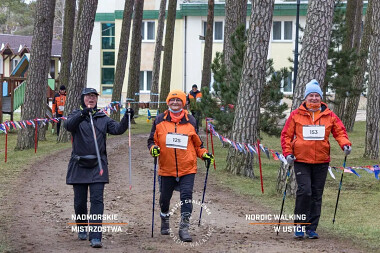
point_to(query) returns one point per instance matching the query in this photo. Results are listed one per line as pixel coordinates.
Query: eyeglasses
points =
(91, 95)
(175, 100)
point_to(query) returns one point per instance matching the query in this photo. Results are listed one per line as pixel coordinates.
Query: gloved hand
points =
(155, 151)
(290, 159)
(347, 149)
(129, 111)
(86, 111)
(209, 156)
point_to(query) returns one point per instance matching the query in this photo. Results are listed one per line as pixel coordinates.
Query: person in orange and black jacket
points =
(193, 99)
(59, 105)
(305, 144)
(174, 139)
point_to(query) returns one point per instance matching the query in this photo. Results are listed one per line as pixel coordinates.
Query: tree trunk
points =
(351, 11)
(168, 53)
(35, 93)
(236, 14)
(207, 54)
(157, 56)
(291, 189)
(135, 61)
(373, 102)
(67, 42)
(78, 76)
(358, 80)
(315, 46)
(122, 56)
(247, 116)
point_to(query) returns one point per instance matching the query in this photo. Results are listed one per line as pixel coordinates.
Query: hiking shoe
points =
(96, 243)
(164, 224)
(184, 228)
(299, 234)
(82, 235)
(311, 234)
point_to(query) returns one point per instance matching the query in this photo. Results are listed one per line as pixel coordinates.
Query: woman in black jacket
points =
(83, 170)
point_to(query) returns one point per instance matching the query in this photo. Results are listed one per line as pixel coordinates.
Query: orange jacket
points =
(312, 151)
(58, 103)
(173, 161)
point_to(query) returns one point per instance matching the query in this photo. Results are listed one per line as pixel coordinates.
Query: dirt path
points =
(37, 212)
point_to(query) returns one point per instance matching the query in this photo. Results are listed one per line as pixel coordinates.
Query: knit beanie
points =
(313, 86)
(177, 94)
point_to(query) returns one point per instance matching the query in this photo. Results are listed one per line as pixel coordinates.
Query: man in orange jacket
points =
(174, 139)
(59, 105)
(305, 144)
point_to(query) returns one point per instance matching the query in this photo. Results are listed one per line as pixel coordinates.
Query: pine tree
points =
(341, 68)
(271, 100)
(220, 104)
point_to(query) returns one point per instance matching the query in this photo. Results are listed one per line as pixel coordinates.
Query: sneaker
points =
(299, 234)
(312, 234)
(96, 243)
(82, 235)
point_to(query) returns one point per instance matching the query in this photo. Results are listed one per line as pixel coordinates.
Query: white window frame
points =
(282, 39)
(145, 36)
(145, 81)
(15, 62)
(1, 65)
(204, 27)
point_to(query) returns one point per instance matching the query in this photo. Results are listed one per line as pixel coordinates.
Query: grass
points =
(357, 216)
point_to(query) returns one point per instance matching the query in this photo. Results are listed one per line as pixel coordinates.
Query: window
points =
(145, 81)
(287, 83)
(108, 36)
(109, 58)
(107, 71)
(14, 63)
(218, 30)
(148, 31)
(108, 75)
(282, 30)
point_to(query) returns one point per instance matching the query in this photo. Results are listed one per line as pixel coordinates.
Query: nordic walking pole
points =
(284, 196)
(96, 144)
(154, 191)
(340, 187)
(130, 148)
(207, 162)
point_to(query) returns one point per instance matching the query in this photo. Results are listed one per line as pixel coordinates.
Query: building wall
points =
(188, 48)
(93, 72)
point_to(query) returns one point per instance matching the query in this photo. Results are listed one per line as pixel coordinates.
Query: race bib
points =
(61, 108)
(174, 140)
(313, 132)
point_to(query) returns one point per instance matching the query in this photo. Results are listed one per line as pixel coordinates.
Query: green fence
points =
(19, 93)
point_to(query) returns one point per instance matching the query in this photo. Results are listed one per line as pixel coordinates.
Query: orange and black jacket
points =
(312, 151)
(59, 100)
(172, 161)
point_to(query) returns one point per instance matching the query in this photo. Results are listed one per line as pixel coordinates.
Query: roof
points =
(18, 44)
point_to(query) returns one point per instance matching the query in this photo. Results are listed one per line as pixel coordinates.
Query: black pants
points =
(186, 184)
(311, 180)
(58, 123)
(96, 200)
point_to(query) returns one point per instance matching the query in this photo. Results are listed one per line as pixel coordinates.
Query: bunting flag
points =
(253, 149)
(149, 116)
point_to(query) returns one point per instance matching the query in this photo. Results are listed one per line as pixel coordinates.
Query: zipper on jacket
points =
(175, 155)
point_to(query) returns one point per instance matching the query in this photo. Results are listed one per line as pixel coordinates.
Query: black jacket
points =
(83, 144)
